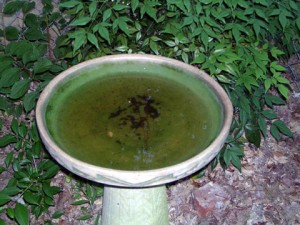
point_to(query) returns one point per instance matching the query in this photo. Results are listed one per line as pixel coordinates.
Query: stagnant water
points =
(133, 121)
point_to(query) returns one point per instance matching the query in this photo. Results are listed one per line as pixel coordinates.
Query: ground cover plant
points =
(239, 43)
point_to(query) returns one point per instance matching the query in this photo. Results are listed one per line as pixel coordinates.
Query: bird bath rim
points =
(143, 178)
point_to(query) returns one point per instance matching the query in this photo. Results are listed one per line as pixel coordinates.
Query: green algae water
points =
(133, 121)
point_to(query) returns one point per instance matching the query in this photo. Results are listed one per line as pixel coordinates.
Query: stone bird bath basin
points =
(134, 123)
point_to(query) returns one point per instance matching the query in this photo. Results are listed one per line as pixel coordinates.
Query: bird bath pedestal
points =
(134, 123)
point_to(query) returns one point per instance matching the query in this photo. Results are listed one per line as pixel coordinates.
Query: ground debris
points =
(266, 192)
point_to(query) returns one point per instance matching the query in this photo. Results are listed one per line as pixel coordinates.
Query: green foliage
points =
(26, 67)
(32, 172)
(21, 214)
(85, 194)
(239, 43)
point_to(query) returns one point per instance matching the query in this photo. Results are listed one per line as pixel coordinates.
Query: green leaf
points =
(294, 6)
(50, 190)
(92, 8)
(282, 80)
(149, 9)
(103, 31)
(276, 52)
(28, 6)
(262, 126)
(57, 214)
(283, 20)
(4, 198)
(49, 201)
(13, 7)
(11, 33)
(11, 213)
(256, 27)
(42, 66)
(247, 81)
(275, 132)
(11, 190)
(298, 22)
(69, 4)
(9, 77)
(199, 59)
(236, 161)
(32, 20)
(170, 43)
(106, 15)
(283, 128)
(79, 41)
(231, 68)
(236, 33)
(269, 114)
(267, 84)
(283, 90)
(233, 154)
(237, 149)
(19, 88)
(227, 157)
(89, 191)
(2, 169)
(277, 67)
(261, 14)
(35, 52)
(51, 172)
(86, 217)
(154, 47)
(262, 2)
(31, 198)
(185, 57)
(93, 39)
(122, 48)
(272, 99)
(34, 34)
(14, 126)
(275, 12)
(47, 164)
(8, 159)
(37, 211)
(22, 130)
(134, 5)
(252, 134)
(81, 21)
(29, 100)
(21, 214)
(2, 222)
(223, 79)
(6, 63)
(187, 21)
(213, 165)
(244, 103)
(80, 202)
(7, 139)
(119, 7)
(122, 24)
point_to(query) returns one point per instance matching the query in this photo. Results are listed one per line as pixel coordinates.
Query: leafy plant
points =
(26, 67)
(86, 193)
(237, 42)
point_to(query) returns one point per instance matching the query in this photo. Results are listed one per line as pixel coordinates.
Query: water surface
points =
(133, 121)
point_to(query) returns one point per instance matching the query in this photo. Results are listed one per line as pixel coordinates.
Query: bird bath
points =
(134, 123)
